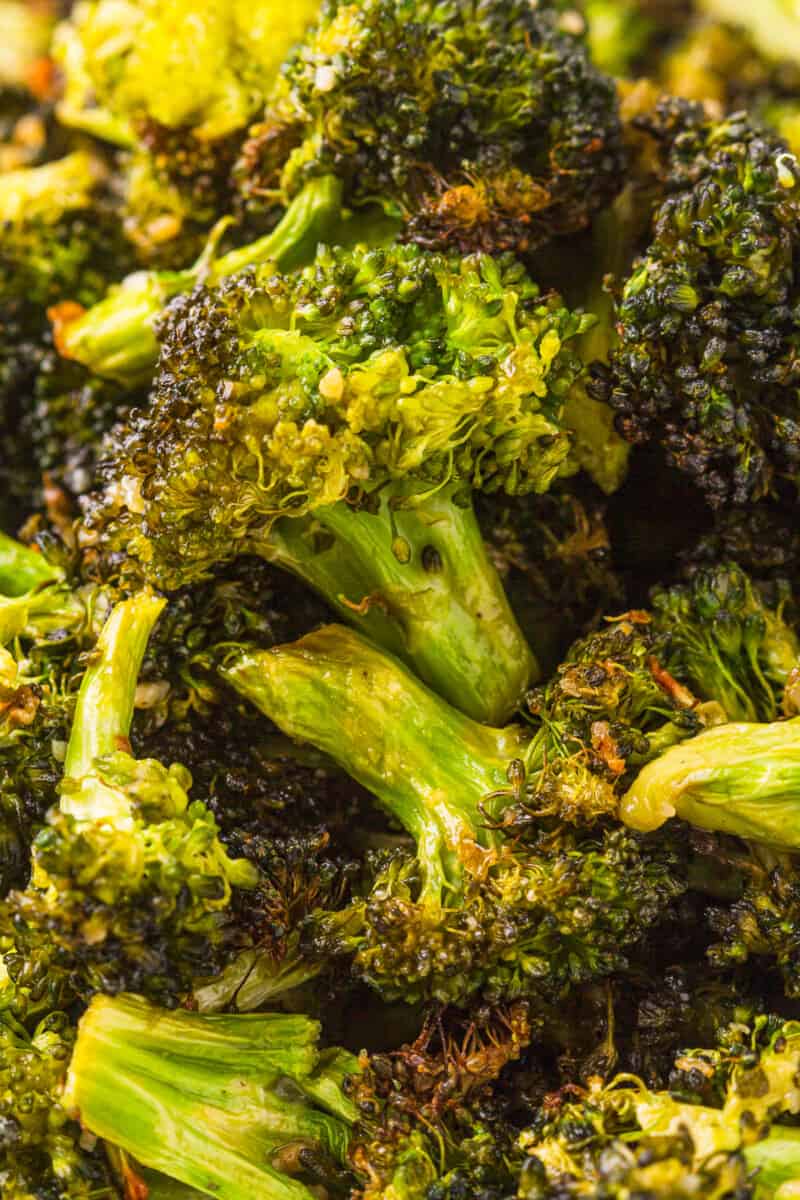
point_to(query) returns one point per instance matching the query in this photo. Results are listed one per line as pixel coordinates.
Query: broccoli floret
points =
(428, 1125)
(335, 423)
(622, 1139)
(707, 361)
(130, 879)
(730, 644)
(258, 1110)
(62, 243)
(761, 923)
(490, 901)
(41, 1152)
(483, 124)
(175, 85)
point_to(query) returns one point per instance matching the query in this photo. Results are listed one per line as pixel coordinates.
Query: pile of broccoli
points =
(399, 600)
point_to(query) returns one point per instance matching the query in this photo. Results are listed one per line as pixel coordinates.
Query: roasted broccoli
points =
(483, 125)
(494, 899)
(175, 86)
(350, 410)
(707, 358)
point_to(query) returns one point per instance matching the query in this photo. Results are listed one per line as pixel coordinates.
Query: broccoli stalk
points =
(736, 778)
(474, 908)
(231, 1105)
(417, 580)
(116, 338)
(104, 710)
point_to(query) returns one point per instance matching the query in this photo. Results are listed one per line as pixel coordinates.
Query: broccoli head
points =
(335, 422)
(729, 643)
(42, 1153)
(622, 1139)
(130, 879)
(484, 125)
(62, 243)
(520, 884)
(707, 359)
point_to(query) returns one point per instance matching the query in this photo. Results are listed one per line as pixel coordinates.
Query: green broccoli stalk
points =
(231, 1105)
(736, 778)
(337, 422)
(117, 339)
(480, 905)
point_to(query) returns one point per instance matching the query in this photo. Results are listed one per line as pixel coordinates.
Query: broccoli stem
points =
(104, 708)
(116, 338)
(254, 980)
(225, 1104)
(737, 778)
(429, 766)
(416, 578)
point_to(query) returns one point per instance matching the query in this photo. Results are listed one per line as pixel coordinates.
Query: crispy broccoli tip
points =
(730, 643)
(116, 338)
(735, 778)
(239, 1107)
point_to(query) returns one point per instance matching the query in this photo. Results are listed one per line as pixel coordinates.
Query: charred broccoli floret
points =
(622, 1139)
(484, 125)
(335, 422)
(707, 360)
(62, 241)
(730, 644)
(490, 901)
(130, 879)
(41, 1152)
